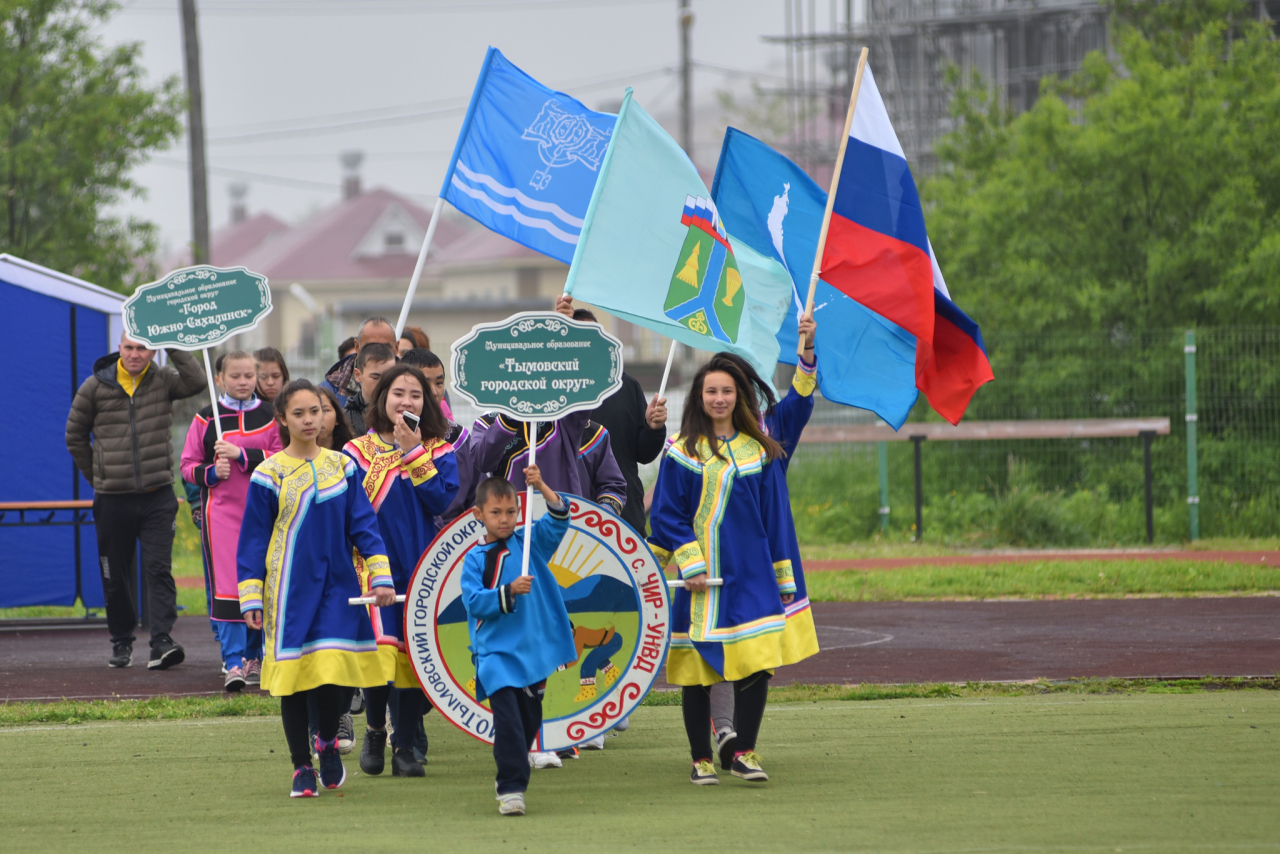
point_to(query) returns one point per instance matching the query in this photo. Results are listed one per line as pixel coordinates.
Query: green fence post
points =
(1193, 492)
(882, 451)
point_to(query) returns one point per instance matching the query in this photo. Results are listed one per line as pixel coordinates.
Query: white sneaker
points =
(623, 724)
(544, 760)
(512, 804)
(596, 743)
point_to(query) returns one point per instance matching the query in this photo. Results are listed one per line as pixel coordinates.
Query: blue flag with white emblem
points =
(527, 158)
(771, 205)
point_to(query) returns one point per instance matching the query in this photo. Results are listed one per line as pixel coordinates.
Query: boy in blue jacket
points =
(520, 631)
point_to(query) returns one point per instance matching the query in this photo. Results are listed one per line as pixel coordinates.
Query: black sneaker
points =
(726, 746)
(747, 766)
(121, 655)
(704, 774)
(403, 763)
(332, 772)
(373, 753)
(304, 783)
(165, 653)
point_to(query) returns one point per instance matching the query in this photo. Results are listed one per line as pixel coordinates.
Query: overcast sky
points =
(279, 74)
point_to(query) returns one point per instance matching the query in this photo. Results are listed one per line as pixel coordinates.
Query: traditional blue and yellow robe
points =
(301, 520)
(407, 491)
(784, 423)
(723, 517)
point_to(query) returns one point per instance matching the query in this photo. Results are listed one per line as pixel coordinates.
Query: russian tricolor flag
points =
(878, 254)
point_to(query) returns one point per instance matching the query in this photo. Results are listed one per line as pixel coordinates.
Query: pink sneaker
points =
(252, 671)
(235, 680)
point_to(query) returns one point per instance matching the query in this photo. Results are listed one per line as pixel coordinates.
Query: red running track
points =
(880, 642)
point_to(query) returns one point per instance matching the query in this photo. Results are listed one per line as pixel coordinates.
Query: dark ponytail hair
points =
(696, 423)
(282, 401)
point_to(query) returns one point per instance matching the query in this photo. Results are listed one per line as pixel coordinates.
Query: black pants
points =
(293, 712)
(313, 708)
(517, 717)
(410, 704)
(749, 697)
(123, 520)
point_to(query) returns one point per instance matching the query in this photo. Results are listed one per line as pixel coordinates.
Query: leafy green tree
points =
(75, 118)
(1140, 195)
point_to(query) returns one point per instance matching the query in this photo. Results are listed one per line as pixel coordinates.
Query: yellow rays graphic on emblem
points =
(574, 561)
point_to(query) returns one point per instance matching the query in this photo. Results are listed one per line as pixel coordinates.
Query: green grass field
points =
(1045, 579)
(1053, 772)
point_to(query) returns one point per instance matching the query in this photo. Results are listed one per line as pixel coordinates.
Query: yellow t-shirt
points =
(127, 382)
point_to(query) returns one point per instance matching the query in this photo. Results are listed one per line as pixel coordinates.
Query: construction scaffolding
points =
(1012, 44)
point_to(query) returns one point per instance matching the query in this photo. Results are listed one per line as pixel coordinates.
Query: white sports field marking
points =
(849, 642)
(197, 722)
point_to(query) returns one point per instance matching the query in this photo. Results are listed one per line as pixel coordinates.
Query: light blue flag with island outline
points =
(654, 251)
(769, 202)
(526, 159)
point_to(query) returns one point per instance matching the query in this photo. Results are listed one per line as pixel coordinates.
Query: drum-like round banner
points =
(617, 601)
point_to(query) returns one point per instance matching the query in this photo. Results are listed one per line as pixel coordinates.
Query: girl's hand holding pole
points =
(697, 584)
(253, 619)
(230, 450)
(222, 467)
(808, 328)
(383, 596)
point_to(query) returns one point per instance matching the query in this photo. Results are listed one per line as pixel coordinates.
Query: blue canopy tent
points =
(52, 329)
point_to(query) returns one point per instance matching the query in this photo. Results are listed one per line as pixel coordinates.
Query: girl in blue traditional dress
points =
(304, 512)
(784, 421)
(720, 511)
(410, 477)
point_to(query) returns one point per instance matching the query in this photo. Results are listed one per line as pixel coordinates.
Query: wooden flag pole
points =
(528, 499)
(417, 269)
(831, 196)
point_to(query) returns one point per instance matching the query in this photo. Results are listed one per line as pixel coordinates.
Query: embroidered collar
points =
(229, 402)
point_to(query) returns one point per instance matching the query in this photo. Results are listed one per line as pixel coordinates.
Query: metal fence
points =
(1054, 491)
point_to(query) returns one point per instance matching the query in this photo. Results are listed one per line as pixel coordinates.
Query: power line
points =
(392, 121)
(297, 183)
(280, 8)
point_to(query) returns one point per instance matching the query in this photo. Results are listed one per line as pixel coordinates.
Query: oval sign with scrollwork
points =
(537, 365)
(197, 307)
(618, 605)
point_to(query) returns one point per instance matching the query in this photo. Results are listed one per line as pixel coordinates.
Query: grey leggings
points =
(722, 706)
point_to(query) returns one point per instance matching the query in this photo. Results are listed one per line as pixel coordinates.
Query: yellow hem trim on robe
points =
(799, 638)
(796, 642)
(396, 667)
(322, 667)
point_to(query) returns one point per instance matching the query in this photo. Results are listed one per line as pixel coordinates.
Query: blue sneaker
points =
(332, 772)
(304, 783)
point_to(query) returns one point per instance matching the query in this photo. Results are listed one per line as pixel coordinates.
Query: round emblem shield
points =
(618, 604)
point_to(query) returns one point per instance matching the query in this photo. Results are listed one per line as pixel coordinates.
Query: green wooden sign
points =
(537, 366)
(197, 307)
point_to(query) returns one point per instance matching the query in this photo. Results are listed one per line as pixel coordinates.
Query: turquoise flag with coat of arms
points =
(654, 252)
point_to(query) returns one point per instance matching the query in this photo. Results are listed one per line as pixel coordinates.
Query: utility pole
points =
(686, 79)
(195, 136)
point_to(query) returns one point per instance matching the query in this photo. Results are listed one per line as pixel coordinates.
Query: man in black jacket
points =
(637, 430)
(118, 433)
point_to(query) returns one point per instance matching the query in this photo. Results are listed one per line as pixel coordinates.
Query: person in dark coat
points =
(119, 435)
(637, 430)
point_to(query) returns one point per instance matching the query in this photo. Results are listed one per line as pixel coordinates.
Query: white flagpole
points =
(528, 498)
(831, 197)
(213, 393)
(671, 356)
(417, 270)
